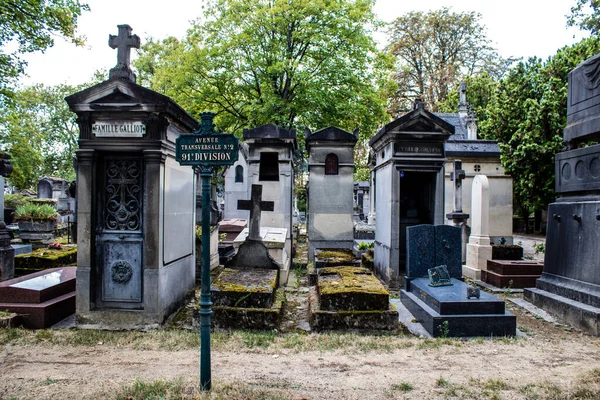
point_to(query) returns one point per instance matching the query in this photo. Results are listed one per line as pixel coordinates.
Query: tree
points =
(31, 26)
(294, 63)
(39, 132)
(433, 51)
(527, 115)
(586, 15)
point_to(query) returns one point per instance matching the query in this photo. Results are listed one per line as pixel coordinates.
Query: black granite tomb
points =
(570, 283)
(449, 310)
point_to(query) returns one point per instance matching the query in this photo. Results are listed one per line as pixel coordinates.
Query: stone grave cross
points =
(457, 176)
(123, 42)
(255, 205)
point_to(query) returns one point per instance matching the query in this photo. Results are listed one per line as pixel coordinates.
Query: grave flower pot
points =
(36, 222)
(37, 226)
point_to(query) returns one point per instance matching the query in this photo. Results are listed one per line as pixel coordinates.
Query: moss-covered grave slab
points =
(254, 318)
(249, 287)
(334, 258)
(350, 288)
(44, 258)
(324, 320)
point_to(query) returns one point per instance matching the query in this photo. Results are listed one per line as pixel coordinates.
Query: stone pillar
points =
(7, 253)
(479, 249)
(1, 199)
(371, 216)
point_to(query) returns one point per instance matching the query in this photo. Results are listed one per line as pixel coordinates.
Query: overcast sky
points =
(518, 28)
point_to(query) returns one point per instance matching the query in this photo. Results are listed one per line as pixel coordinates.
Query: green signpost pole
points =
(205, 301)
(204, 149)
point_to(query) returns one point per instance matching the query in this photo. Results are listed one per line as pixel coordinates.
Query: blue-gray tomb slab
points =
(448, 249)
(446, 310)
(428, 246)
(420, 250)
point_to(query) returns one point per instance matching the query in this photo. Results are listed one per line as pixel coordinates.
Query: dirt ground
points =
(550, 355)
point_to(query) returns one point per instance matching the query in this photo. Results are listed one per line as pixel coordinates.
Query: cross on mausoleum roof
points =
(255, 205)
(123, 42)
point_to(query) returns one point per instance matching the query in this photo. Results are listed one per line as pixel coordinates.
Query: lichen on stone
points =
(335, 256)
(349, 279)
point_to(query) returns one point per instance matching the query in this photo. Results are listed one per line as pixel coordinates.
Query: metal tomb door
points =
(119, 237)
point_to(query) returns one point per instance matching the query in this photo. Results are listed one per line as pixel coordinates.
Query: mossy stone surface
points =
(249, 287)
(350, 288)
(253, 318)
(323, 320)
(45, 258)
(334, 257)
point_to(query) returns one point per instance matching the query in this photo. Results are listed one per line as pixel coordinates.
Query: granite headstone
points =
(429, 246)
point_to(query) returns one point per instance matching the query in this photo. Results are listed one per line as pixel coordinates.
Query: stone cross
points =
(457, 176)
(123, 42)
(462, 93)
(255, 205)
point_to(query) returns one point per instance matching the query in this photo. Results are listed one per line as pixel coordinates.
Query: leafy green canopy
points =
(586, 15)
(40, 133)
(433, 51)
(294, 63)
(30, 25)
(527, 115)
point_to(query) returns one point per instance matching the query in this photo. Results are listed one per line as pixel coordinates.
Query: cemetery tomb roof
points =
(419, 122)
(461, 148)
(269, 131)
(331, 134)
(460, 127)
(123, 95)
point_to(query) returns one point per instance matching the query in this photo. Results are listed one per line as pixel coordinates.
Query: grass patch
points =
(179, 389)
(439, 342)
(234, 340)
(402, 387)
(441, 382)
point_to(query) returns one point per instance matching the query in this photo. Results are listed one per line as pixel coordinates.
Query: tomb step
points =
(577, 314)
(459, 325)
(253, 318)
(43, 315)
(245, 288)
(452, 300)
(511, 267)
(38, 287)
(508, 281)
(324, 320)
(350, 289)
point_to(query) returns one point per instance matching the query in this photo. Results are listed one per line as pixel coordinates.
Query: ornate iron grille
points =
(123, 195)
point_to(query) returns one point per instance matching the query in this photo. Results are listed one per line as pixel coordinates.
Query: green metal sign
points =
(205, 147)
(206, 150)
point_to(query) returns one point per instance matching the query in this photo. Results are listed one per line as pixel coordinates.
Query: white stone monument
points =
(479, 249)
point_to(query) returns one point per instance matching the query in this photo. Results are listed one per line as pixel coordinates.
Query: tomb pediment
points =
(269, 131)
(332, 134)
(417, 124)
(107, 102)
(121, 95)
